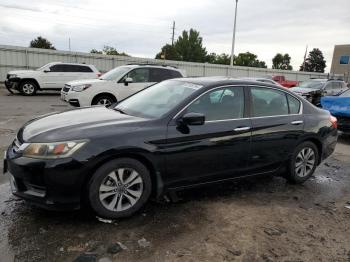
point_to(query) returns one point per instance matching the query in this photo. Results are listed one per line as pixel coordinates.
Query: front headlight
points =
(80, 88)
(12, 76)
(51, 150)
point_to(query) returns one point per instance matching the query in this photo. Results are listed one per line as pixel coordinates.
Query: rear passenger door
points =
(277, 124)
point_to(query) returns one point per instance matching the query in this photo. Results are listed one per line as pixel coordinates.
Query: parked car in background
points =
(284, 82)
(339, 106)
(314, 89)
(116, 84)
(173, 135)
(262, 79)
(51, 76)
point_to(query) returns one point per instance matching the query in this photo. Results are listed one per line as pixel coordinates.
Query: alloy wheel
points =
(104, 102)
(305, 162)
(28, 88)
(121, 189)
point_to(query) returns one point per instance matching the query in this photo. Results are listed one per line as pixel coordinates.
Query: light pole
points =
(234, 35)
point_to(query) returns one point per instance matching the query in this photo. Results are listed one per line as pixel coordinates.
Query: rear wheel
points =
(119, 188)
(303, 163)
(28, 88)
(103, 100)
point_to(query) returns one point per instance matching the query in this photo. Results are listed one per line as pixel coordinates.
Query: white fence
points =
(14, 58)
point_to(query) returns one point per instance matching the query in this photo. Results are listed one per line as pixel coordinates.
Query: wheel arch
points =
(29, 79)
(102, 94)
(157, 182)
(318, 144)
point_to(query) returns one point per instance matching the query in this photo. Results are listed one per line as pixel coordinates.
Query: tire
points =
(109, 189)
(303, 163)
(28, 88)
(105, 100)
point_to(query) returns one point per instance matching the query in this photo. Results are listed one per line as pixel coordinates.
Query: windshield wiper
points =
(119, 110)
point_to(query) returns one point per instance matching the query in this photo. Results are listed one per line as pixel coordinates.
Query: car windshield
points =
(346, 93)
(312, 84)
(157, 100)
(42, 68)
(116, 73)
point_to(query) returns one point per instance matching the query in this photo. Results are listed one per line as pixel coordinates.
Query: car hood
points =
(77, 124)
(87, 81)
(21, 72)
(301, 90)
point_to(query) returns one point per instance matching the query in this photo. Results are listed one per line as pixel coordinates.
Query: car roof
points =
(209, 82)
(69, 63)
(153, 66)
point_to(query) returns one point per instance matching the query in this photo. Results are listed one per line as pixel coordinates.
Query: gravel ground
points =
(264, 219)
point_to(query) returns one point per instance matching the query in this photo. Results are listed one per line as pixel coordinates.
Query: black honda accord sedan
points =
(174, 135)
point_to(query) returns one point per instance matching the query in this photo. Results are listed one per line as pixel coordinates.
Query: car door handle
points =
(299, 122)
(239, 129)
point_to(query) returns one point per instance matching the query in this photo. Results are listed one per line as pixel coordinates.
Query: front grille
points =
(66, 88)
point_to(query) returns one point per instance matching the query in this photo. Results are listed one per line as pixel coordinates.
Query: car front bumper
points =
(55, 184)
(12, 83)
(73, 98)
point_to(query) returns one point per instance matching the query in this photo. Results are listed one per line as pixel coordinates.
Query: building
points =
(341, 61)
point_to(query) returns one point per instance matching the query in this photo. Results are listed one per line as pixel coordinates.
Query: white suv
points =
(51, 76)
(116, 84)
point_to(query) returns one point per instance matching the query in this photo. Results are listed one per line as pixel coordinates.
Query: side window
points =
(159, 75)
(329, 86)
(175, 74)
(58, 68)
(220, 104)
(80, 69)
(294, 105)
(268, 102)
(139, 75)
(336, 85)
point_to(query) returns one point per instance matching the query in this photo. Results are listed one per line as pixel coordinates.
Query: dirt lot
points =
(263, 219)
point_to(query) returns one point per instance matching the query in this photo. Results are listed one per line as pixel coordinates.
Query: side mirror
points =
(128, 80)
(46, 70)
(193, 119)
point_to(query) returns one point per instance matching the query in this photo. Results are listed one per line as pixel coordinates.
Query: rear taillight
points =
(99, 74)
(334, 121)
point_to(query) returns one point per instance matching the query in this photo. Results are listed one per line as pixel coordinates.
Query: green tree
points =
(95, 51)
(249, 59)
(41, 42)
(108, 50)
(168, 52)
(222, 59)
(282, 62)
(314, 62)
(190, 48)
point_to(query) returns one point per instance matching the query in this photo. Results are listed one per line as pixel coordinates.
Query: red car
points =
(286, 83)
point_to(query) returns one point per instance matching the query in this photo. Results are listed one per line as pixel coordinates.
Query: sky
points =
(141, 28)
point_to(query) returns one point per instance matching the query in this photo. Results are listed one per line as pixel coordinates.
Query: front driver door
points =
(217, 150)
(140, 80)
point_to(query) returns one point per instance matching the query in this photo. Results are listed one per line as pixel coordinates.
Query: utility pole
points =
(234, 35)
(305, 58)
(173, 34)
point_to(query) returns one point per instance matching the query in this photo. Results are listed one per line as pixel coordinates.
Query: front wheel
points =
(28, 88)
(303, 163)
(119, 188)
(103, 100)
